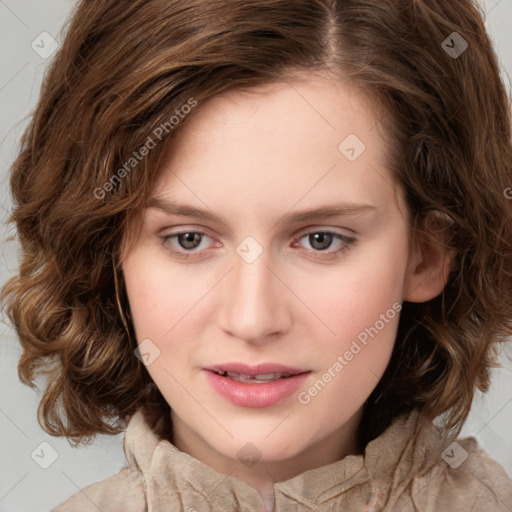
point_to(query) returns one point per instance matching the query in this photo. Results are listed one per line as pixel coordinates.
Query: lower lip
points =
(255, 395)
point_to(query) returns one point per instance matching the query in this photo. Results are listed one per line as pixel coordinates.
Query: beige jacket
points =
(403, 470)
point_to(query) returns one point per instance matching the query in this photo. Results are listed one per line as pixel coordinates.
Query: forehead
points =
(279, 144)
(307, 108)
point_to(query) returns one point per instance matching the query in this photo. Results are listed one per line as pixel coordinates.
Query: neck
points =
(265, 473)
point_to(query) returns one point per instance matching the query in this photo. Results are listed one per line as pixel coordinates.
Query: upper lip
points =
(260, 369)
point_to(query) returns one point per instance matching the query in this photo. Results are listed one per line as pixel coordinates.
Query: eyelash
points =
(347, 245)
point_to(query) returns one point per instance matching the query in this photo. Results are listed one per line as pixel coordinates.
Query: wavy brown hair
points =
(127, 66)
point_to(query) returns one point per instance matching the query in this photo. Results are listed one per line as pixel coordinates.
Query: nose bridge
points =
(251, 301)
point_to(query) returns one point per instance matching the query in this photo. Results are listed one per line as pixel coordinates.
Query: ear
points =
(430, 260)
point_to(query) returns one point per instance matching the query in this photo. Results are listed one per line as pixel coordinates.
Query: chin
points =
(260, 449)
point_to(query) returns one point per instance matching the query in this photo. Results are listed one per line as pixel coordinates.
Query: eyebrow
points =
(323, 212)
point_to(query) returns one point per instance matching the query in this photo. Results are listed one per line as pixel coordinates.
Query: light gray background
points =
(24, 485)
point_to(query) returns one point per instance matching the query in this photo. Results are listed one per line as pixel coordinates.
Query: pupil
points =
(321, 238)
(189, 240)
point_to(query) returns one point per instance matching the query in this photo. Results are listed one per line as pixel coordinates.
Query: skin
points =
(252, 158)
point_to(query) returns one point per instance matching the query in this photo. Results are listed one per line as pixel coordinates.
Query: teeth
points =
(269, 377)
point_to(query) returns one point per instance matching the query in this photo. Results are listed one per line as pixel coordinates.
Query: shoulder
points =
(122, 491)
(415, 468)
(466, 479)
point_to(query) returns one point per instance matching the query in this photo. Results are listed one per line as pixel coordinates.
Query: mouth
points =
(258, 374)
(255, 386)
(255, 379)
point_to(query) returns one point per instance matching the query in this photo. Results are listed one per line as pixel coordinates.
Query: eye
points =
(187, 241)
(185, 244)
(321, 240)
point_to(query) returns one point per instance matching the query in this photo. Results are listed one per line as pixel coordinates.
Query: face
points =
(229, 268)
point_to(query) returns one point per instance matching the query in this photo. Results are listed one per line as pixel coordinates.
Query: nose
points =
(254, 302)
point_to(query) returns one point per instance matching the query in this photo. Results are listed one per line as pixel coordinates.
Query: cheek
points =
(362, 313)
(161, 300)
(156, 294)
(360, 304)
(364, 287)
